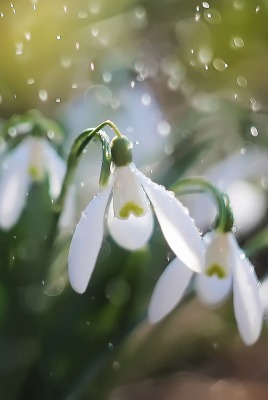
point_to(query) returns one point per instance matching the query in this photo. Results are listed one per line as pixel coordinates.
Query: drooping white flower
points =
(130, 222)
(225, 267)
(29, 161)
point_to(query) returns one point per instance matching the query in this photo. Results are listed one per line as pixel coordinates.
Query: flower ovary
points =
(121, 149)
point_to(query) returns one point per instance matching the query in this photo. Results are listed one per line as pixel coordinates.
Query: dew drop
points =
(241, 81)
(82, 184)
(254, 132)
(94, 7)
(163, 128)
(110, 346)
(205, 4)
(84, 214)
(132, 84)
(116, 366)
(82, 14)
(219, 64)
(50, 134)
(92, 67)
(19, 48)
(146, 99)
(43, 96)
(205, 55)
(212, 16)
(58, 37)
(55, 287)
(238, 42)
(107, 77)
(66, 62)
(30, 81)
(27, 35)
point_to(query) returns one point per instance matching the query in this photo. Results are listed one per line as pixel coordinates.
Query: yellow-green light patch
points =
(131, 208)
(35, 173)
(216, 269)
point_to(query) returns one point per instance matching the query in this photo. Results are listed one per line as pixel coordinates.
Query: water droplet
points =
(74, 86)
(77, 45)
(146, 99)
(242, 256)
(12, 131)
(82, 14)
(212, 16)
(2, 15)
(219, 64)
(110, 346)
(116, 366)
(92, 67)
(55, 287)
(30, 81)
(84, 214)
(58, 100)
(132, 84)
(19, 48)
(58, 37)
(205, 55)
(43, 96)
(254, 132)
(238, 42)
(82, 184)
(107, 77)
(27, 35)
(205, 4)
(163, 128)
(241, 81)
(66, 62)
(95, 7)
(257, 9)
(65, 9)
(50, 134)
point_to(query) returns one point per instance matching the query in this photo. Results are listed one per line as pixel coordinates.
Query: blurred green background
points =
(186, 81)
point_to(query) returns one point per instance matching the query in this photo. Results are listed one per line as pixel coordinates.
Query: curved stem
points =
(207, 186)
(76, 150)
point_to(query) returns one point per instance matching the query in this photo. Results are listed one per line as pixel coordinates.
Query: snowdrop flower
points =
(226, 267)
(130, 219)
(236, 175)
(28, 162)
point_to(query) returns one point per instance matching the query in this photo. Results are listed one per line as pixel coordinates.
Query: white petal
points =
(178, 228)
(247, 304)
(14, 184)
(132, 233)
(169, 290)
(211, 290)
(128, 193)
(56, 167)
(87, 241)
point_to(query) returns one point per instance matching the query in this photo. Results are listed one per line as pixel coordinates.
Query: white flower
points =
(225, 267)
(29, 161)
(132, 223)
(238, 175)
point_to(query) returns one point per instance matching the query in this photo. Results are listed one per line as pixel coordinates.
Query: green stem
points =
(206, 186)
(72, 162)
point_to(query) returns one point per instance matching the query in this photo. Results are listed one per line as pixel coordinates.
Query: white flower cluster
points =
(125, 204)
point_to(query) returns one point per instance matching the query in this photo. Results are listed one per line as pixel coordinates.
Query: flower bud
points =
(121, 149)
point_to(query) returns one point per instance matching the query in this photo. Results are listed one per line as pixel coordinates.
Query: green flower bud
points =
(121, 149)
